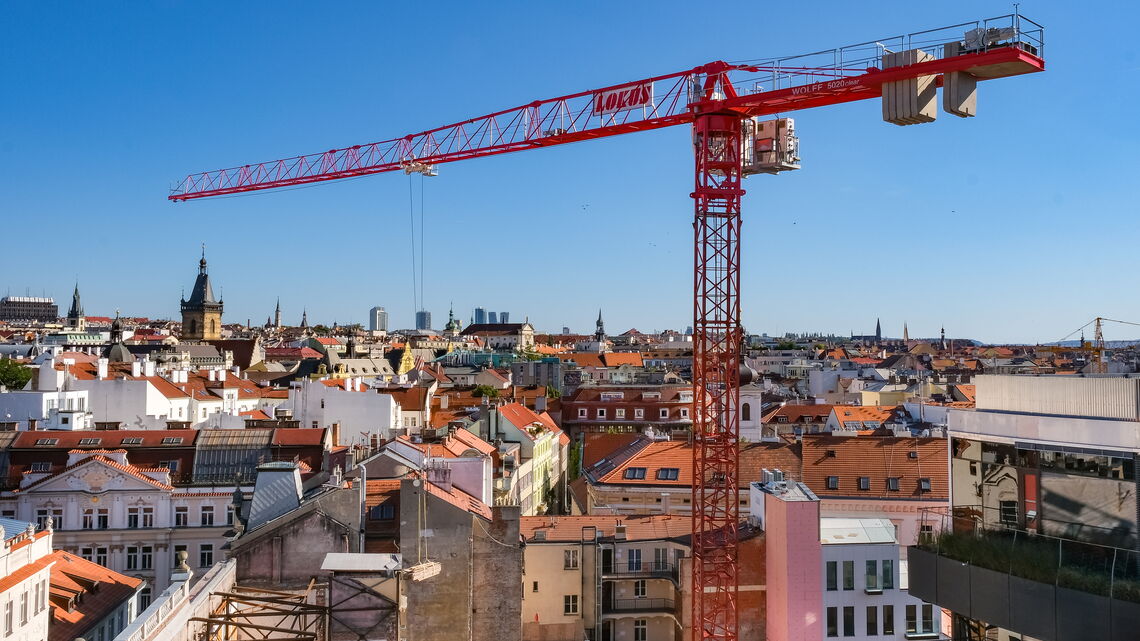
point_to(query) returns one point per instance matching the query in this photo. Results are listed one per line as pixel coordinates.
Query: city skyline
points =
(945, 224)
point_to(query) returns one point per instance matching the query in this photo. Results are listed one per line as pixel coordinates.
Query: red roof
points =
(101, 591)
(637, 528)
(106, 438)
(877, 458)
(129, 469)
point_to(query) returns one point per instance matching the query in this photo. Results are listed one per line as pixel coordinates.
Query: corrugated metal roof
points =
(13, 528)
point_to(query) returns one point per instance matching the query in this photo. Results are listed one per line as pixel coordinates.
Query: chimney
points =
(540, 404)
(443, 402)
(33, 424)
(222, 375)
(213, 375)
(236, 371)
(136, 369)
(148, 367)
(101, 368)
(619, 531)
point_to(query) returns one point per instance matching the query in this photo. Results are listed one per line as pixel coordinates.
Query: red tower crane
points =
(723, 103)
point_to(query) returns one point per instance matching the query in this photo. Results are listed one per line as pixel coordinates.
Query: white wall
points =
(356, 412)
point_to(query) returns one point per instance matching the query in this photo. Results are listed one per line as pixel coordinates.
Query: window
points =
(684, 412)
(927, 618)
(633, 563)
(864, 483)
(832, 576)
(848, 620)
(888, 574)
(833, 622)
(95, 519)
(638, 413)
(170, 465)
(619, 413)
(833, 482)
(148, 517)
(888, 620)
(668, 474)
(601, 412)
(640, 630)
(90, 441)
(639, 588)
(131, 440)
(570, 604)
(848, 575)
(47, 441)
(924, 485)
(8, 618)
(661, 558)
(912, 619)
(24, 608)
(207, 516)
(893, 484)
(172, 440)
(570, 559)
(636, 473)
(56, 515)
(1008, 512)
(534, 587)
(140, 557)
(174, 557)
(384, 512)
(181, 516)
(41, 466)
(663, 413)
(871, 580)
(872, 620)
(133, 514)
(144, 599)
(97, 555)
(205, 555)
(746, 412)
(582, 412)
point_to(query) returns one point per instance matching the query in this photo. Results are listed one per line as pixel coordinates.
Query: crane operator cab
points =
(770, 146)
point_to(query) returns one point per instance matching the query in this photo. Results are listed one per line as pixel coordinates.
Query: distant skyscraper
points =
(492, 317)
(504, 317)
(480, 315)
(378, 319)
(423, 319)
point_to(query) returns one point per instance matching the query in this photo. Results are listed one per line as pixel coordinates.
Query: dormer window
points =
(668, 474)
(172, 440)
(132, 440)
(634, 473)
(90, 441)
(47, 441)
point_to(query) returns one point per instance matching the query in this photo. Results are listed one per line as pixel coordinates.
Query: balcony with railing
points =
(1047, 587)
(638, 606)
(651, 570)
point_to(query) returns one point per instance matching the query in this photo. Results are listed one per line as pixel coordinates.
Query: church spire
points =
(906, 334)
(277, 314)
(75, 317)
(305, 318)
(878, 331)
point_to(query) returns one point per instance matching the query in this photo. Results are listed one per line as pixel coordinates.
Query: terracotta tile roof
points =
(645, 467)
(116, 438)
(298, 353)
(796, 414)
(846, 413)
(600, 445)
(25, 571)
(256, 414)
(877, 458)
(460, 499)
(71, 576)
(967, 392)
(470, 439)
(523, 418)
(657, 527)
(411, 399)
(313, 436)
(132, 470)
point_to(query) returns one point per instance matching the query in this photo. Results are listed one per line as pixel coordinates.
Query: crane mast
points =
(723, 103)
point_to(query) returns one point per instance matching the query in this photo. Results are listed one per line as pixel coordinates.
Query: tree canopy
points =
(14, 375)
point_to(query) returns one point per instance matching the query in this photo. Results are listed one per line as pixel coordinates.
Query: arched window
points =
(213, 327)
(193, 327)
(746, 412)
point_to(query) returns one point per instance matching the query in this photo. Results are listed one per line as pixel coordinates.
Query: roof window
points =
(636, 473)
(172, 440)
(833, 482)
(47, 441)
(90, 441)
(924, 485)
(131, 440)
(893, 484)
(864, 483)
(668, 474)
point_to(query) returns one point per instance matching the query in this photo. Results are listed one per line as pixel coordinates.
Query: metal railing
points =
(1098, 569)
(617, 606)
(831, 64)
(643, 570)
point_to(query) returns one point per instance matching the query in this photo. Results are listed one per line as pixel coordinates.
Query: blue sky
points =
(1019, 224)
